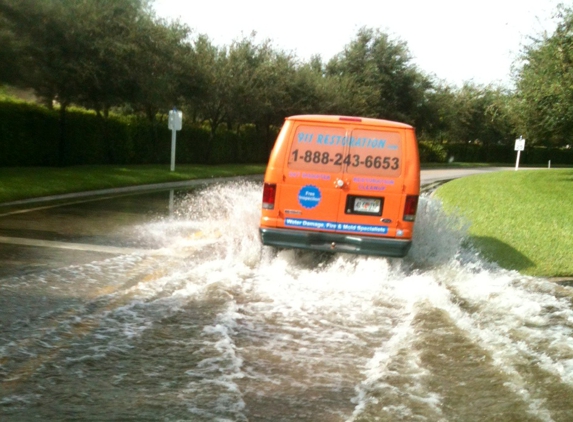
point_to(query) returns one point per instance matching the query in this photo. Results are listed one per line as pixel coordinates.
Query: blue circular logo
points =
(309, 196)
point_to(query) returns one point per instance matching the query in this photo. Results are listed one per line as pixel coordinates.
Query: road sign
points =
(520, 144)
(174, 123)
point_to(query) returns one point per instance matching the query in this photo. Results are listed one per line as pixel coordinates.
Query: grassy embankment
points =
(522, 220)
(30, 182)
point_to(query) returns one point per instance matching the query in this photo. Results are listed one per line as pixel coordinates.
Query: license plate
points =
(368, 205)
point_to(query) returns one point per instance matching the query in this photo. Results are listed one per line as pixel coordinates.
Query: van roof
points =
(338, 119)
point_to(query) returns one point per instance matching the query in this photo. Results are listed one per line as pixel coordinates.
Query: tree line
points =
(117, 56)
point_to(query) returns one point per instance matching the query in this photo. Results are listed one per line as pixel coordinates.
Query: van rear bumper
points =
(335, 242)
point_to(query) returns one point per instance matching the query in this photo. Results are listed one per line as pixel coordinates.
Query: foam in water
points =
(440, 268)
(334, 336)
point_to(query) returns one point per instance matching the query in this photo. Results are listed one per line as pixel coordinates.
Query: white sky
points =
(456, 41)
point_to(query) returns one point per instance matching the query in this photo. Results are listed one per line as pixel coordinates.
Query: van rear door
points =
(373, 182)
(311, 196)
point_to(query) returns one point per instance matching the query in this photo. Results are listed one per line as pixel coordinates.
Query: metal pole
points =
(173, 149)
(517, 161)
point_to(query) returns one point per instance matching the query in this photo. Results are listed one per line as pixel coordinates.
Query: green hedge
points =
(30, 136)
(473, 153)
(432, 152)
(541, 155)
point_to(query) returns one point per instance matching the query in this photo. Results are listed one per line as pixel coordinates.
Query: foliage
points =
(29, 136)
(162, 66)
(431, 152)
(107, 55)
(464, 152)
(481, 116)
(544, 97)
(377, 79)
(89, 52)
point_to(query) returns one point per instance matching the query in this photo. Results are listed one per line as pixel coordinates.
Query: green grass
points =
(30, 182)
(523, 220)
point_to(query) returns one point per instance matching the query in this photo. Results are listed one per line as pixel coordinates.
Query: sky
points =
(454, 41)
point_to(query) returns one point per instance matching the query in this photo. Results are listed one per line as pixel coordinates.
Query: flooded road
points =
(187, 318)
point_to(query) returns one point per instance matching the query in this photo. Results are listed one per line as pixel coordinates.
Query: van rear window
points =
(334, 149)
(376, 153)
(318, 148)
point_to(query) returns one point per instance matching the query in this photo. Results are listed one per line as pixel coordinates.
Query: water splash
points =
(228, 330)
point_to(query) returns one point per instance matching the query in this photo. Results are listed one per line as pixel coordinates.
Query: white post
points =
(173, 136)
(517, 161)
(549, 164)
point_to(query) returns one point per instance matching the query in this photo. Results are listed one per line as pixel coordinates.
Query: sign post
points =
(519, 146)
(175, 123)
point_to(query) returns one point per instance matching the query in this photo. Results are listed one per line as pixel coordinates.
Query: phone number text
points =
(351, 160)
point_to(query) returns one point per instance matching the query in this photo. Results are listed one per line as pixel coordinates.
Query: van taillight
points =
(410, 207)
(269, 193)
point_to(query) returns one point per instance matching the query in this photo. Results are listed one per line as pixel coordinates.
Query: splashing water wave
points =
(225, 329)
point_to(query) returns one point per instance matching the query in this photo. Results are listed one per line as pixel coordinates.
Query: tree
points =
(213, 101)
(72, 50)
(376, 78)
(438, 114)
(544, 81)
(248, 83)
(250, 70)
(162, 65)
(480, 114)
(307, 91)
(11, 60)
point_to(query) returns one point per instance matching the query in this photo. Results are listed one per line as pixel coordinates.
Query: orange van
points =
(342, 184)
